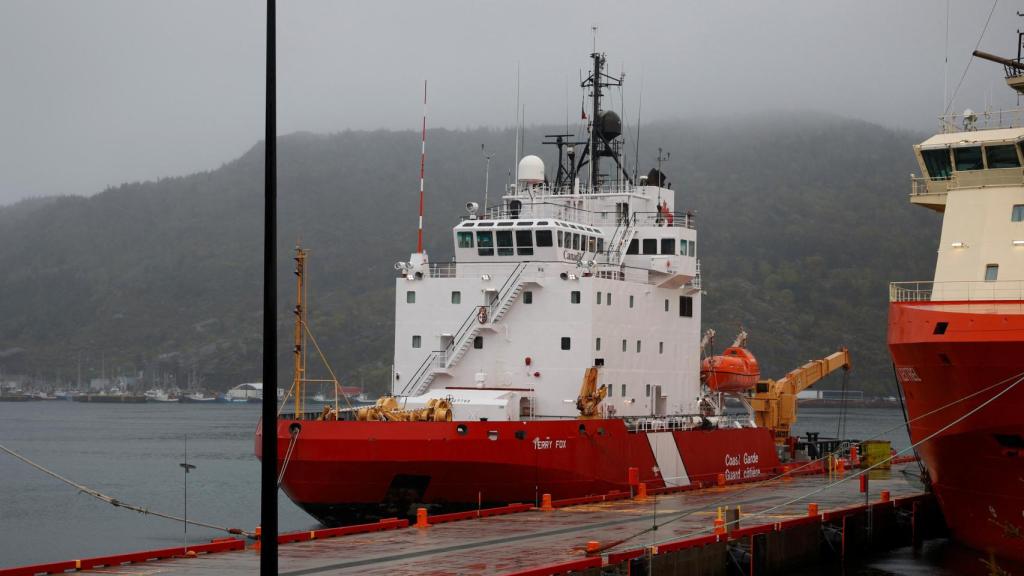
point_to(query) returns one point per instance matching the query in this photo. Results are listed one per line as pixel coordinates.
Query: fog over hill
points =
(802, 222)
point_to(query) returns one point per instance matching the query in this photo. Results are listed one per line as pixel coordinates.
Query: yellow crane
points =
(773, 402)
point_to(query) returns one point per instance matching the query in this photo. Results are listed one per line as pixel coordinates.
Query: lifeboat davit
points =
(735, 370)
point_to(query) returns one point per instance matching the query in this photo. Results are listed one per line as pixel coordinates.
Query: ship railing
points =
(957, 291)
(606, 218)
(987, 120)
(471, 269)
(684, 422)
(918, 185)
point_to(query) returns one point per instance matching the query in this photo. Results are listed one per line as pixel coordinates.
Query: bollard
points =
(885, 495)
(812, 509)
(421, 518)
(721, 479)
(719, 522)
(864, 483)
(641, 491)
(259, 531)
(854, 458)
(841, 466)
(786, 469)
(545, 502)
(593, 546)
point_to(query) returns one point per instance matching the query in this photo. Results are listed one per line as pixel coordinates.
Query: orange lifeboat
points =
(735, 370)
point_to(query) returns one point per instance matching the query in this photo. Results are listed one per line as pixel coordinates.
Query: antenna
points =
(423, 162)
(639, 109)
(516, 159)
(487, 174)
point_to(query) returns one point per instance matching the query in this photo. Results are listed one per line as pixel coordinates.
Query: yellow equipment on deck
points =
(774, 401)
(589, 401)
(386, 410)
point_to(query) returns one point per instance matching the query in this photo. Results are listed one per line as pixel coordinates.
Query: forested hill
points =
(802, 221)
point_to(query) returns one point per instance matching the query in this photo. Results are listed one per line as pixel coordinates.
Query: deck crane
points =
(773, 402)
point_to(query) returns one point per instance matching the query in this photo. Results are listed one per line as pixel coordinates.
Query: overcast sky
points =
(100, 92)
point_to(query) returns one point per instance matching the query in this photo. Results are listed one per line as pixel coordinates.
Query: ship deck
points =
(535, 538)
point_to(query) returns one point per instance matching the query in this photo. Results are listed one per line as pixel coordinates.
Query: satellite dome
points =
(611, 124)
(531, 170)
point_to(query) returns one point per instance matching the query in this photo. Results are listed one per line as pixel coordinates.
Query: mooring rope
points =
(288, 454)
(118, 503)
(732, 496)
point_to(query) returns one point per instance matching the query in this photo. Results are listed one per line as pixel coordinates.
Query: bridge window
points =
(686, 306)
(524, 242)
(575, 241)
(543, 238)
(560, 239)
(465, 239)
(592, 242)
(456, 297)
(1017, 215)
(693, 247)
(1002, 156)
(566, 343)
(937, 163)
(683, 248)
(485, 243)
(574, 297)
(417, 341)
(410, 297)
(634, 247)
(650, 246)
(505, 243)
(991, 272)
(968, 158)
(668, 246)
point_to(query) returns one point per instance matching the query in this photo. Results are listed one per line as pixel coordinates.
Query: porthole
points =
(462, 429)
(492, 435)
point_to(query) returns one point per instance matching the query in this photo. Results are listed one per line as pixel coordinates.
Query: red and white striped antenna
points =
(423, 161)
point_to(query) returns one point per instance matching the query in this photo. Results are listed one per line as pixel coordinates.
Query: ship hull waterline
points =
(976, 467)
(344, 472)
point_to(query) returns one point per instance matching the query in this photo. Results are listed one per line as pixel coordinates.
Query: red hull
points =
(977, 466)
(340, 471)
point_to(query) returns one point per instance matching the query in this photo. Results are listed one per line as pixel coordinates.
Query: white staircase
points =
(441, 361)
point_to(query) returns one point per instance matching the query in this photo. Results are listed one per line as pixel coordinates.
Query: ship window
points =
(524, 242)
(542, 223)
(597, 344)
(600, 244)
(525, 223)
(608, 300)
(666, 305)
(528, 297)
(543, 238)
(456, 297)
(624, 344)
(637, 346)
(575, 241)
(623, 391)
(599, 297)
(937, 163)
(478, 342)
(1002, 156)
(559, 238)
(1017, 215)
(566, 343)
(485, 224)
(574, 297)
(968, 158)
(504, 238)
(693, 247)
(686, 306)
(410, 297)
(630, 300)
(505, 223)
(682, 248)
(647, 390)
(611, 389)
(661, 347)
(417, 341)
(468, 224)
(650, 246)
(465, 239)
(634, 247)
(592, 242)
(991, 272)
(485, 243)
(668, 246)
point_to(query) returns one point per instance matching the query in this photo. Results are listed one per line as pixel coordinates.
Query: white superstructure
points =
(555, 279)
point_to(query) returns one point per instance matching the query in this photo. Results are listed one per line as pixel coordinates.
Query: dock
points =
(782, 524)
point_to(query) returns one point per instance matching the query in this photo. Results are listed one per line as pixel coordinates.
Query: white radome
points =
(531, 170)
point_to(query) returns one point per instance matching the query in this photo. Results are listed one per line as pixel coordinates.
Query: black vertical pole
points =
(268, 467)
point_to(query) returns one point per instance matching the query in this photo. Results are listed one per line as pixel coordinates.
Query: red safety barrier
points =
(688, 543)
(485, 513)
(620, 557)
(609, 497)
(219, 545)
(562, 568)
(307, 535)
(50, 568)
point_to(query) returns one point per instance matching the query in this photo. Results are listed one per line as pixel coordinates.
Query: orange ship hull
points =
(947, 351)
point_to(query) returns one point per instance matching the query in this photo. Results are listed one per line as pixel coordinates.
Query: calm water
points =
(132, 452)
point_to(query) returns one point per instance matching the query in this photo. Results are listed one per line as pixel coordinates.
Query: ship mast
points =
(604, 126)
(298, 352)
